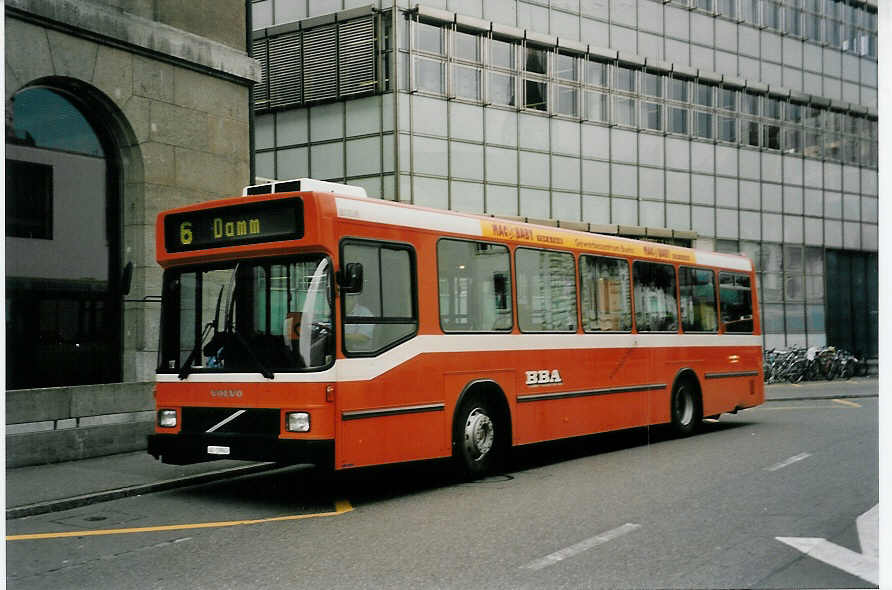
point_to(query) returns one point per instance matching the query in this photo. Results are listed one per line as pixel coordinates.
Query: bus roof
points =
(390, 213)
(377, 211)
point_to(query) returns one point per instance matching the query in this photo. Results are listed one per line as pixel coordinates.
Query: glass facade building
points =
(734, 125)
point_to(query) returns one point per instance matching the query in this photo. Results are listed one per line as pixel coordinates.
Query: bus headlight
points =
(167, 418)
(297, 421)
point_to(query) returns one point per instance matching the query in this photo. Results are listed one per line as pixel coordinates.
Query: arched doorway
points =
(63, 239)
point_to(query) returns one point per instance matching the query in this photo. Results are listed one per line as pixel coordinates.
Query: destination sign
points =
(235, 225)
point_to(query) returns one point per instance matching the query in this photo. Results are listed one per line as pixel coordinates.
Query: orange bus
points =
(313, 324)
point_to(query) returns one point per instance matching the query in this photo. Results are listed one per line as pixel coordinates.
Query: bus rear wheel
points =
(477, 438)
(686, 411)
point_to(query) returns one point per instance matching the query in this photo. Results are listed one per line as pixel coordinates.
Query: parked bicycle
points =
(816, 362)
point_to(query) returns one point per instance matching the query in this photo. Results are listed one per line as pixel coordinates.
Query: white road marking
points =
(580, 547)
(865, 565)
(788, 462)
(868, 525)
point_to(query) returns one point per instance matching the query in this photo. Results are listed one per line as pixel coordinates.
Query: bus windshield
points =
(251, 316)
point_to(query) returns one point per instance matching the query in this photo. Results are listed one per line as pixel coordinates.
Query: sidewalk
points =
(38, 489)
(60, 486)
(837, 389)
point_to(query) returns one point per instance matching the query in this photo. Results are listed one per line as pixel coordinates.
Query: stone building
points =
(735, 125)
(115, 109)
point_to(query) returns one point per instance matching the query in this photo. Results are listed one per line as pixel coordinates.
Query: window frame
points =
(674, 293)
(580, 288)
(413, 270)
(511, 287)
(575, 297)
(752, 288)
(715, 298)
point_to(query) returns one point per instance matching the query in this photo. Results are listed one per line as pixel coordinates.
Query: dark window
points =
(474, 286)
(736, 302)
(606, 296)
(677, 120)
(697, 291)
(536, 95)
(656, 308)
(29, 200)
(536, 60)
(771, 136)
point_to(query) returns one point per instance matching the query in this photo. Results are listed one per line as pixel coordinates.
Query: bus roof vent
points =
(303, 184)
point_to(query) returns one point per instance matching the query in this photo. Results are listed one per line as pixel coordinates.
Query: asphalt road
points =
(623, 510)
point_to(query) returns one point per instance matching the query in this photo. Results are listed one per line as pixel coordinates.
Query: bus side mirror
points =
(350, 278)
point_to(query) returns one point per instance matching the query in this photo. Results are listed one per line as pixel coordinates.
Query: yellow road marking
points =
(341, 507)
(846, 402)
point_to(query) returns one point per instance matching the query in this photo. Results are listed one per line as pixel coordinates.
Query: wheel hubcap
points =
(685, 407)
(479, 434)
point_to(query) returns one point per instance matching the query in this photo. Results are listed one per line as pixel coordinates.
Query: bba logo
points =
(543, 377)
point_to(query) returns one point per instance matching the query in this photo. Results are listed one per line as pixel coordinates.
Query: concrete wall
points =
(68, 423)
(221, 21)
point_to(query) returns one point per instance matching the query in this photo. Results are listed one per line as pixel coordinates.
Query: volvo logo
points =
(226, 393)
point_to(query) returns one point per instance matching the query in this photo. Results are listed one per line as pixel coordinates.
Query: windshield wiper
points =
(229, 329)
(187, 365)
(263, 368)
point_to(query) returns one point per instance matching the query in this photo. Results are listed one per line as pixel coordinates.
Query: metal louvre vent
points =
(285, 84)
(252, 421)
(320, 69)
(259, 51)
(327, 62)
(356, 56)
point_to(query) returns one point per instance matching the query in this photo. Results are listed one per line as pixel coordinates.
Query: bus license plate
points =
(212, 450)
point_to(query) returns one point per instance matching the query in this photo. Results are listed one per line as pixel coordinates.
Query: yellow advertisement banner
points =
(556, 238)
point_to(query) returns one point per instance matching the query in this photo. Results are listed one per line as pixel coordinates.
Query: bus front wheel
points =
(686, 410)
(476, 438)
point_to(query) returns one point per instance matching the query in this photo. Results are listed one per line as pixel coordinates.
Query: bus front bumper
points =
(184, 449)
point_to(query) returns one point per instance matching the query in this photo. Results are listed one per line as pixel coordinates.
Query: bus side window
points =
(736, 302)
(383, 313)
(606, 296)
(656, 309)
(474, 280)
(697, 288)
(546, 290)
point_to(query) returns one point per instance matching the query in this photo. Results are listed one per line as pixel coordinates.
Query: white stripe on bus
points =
(368, 368)
(381, 212)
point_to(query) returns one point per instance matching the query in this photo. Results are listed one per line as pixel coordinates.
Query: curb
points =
(805, 398)
(135, 490)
